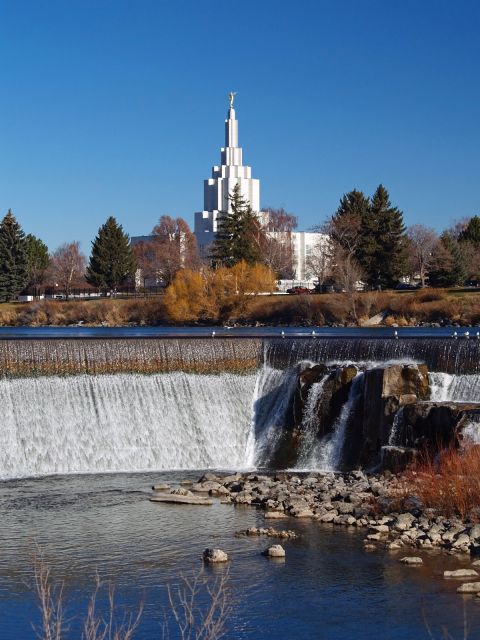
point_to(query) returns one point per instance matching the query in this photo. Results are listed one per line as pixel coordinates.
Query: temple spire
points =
(231, 124)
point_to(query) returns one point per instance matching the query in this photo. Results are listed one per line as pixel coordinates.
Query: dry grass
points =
(450, 482)
(403, 309)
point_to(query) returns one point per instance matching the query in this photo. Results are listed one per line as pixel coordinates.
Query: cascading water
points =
(309, 425)
(455, 388)
(327, 455)
(273, 394)
(87, 424)
(181, 415)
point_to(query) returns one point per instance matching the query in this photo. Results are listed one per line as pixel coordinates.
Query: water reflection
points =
(327, 587)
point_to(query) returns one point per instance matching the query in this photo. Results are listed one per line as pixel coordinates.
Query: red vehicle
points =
(300, 291)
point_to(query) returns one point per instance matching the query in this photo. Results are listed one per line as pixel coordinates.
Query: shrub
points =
(450, 482)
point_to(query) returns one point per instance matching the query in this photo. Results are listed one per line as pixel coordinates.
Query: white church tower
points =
(231, 171)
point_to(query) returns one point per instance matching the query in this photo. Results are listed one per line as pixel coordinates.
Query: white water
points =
(273, 394)
(395, 432)
(457, 388)
(309, 426)
(327, 456)
(91, 424)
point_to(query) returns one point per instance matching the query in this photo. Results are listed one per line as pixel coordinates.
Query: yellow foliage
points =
(212, 294)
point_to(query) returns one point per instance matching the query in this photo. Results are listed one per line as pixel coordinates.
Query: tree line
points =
(364, 241)
(25, 261)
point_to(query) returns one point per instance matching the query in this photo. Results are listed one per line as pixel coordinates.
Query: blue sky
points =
(117, 107)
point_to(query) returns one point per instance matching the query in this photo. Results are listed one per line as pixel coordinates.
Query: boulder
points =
(469, 587)
(460, 573)
(214, 556)
(275, 551)
(397, 459)
(411, 560)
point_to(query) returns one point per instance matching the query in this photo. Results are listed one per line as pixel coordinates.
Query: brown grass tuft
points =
(450, 482)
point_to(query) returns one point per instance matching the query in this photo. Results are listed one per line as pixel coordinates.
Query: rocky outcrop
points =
(435, 424)
(385, 391)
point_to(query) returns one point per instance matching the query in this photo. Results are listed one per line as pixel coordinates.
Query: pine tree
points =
(237, 233)
(38, 259)
(471, 233)
(448, 268)
(13, 258)
(381, 250)
(112, 260)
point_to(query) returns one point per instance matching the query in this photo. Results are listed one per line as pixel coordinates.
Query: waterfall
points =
(395, 432)
(456, 388)
(92, 424)
(273, 396)
(328, 457)
(309, 425)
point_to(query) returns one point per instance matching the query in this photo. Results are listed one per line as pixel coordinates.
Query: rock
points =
(460, 573)
(469, 587)
(275, 551)
(403, 522)
(393, 546)
(161, 487)
(474, 532)
(274, 515)
(186, 482)
(215, 555)
(396, 459)
(181, 491)
(476, 563)
(462, 542)
(302, 513)
(328, 517)
(179, 499)
(411, 560)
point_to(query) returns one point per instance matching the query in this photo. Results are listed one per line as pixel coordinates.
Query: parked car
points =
(300, 291)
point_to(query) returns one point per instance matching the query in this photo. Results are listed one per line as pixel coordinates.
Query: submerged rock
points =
(460, 573)
(215, 555)
(411, 560)
(180, 499)
(275, 551)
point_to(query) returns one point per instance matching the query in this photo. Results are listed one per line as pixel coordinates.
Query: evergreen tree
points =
(448, 269)
(112, 260)
(381, 250)
(237, 234)
(38, 259)
(13, 258)
(471, 233)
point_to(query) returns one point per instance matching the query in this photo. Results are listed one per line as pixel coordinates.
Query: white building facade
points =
(217, 189)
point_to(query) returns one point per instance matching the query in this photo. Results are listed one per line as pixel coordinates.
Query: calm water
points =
(237, 332)
(328, 587)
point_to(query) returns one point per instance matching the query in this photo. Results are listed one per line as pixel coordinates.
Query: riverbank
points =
(436, 307)
(385, 506)
(104, 524)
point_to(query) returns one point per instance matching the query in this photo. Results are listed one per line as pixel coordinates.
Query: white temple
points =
(231, 171)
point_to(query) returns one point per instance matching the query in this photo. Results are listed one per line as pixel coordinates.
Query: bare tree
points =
(50, 600)
(277, 252)
(347, 275)
(420, 250)
(278, 220)
(174, 247)
(67, 266)
(320, 261)
(195, 622)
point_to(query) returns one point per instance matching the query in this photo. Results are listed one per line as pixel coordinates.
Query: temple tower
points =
(230, 172)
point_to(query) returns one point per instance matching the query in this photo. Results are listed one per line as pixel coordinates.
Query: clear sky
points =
(115, 107)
